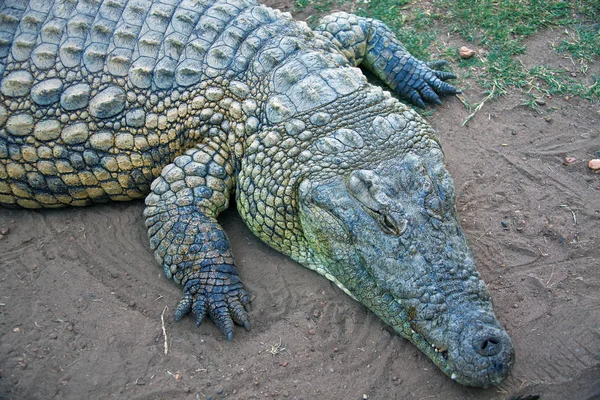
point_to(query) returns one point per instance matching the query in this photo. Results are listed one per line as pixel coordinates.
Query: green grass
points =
(500, 27)
(583, 43)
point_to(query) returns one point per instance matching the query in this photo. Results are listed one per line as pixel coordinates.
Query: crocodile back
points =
(97, 96)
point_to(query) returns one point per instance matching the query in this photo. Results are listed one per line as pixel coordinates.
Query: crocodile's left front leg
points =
(188, 242)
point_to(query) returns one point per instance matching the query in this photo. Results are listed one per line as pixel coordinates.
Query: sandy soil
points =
(81, 297)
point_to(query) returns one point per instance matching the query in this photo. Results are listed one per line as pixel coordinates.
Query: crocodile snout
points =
(488, 344)
(489, 353)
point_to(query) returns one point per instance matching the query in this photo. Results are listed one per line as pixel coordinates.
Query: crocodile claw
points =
(224, 303)
(422, 82)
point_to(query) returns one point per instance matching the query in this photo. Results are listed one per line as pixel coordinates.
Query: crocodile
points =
(190, 102)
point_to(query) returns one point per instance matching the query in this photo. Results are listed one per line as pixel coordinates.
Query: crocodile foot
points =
(218, 293)
(427, 83)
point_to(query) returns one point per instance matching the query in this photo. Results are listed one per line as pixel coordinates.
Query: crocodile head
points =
(388, 236)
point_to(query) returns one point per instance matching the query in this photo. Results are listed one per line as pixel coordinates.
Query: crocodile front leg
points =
(188, 242)
(369, 42)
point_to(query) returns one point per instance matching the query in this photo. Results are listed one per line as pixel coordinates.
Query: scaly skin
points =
(187, 102)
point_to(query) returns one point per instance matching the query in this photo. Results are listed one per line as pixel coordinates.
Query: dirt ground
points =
(81, 296)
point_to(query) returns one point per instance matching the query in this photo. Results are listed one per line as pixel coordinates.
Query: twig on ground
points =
(572, 212)
(276, 348)
(482, 235)
(479, 106)
(162, 320)
(464, 102)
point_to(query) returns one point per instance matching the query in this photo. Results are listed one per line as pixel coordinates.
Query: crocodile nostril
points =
(489, 346)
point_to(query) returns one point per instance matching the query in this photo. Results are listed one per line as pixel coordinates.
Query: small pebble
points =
(548, 118)
(540, 102)
(331, 370)
(17, 330)
(465, 52)
(569, 160)
(504, 224)
(4, 231)
(594, 164)
(365, 397)
(219, 391)
(178, 377)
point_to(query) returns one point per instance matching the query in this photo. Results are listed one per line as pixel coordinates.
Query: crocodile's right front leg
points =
(188, 242)
(369, 42)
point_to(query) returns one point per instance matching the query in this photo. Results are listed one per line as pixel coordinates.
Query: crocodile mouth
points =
(480, 355)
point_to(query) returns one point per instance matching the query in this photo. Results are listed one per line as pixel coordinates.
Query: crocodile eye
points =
(388, 222)
(392, 225)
